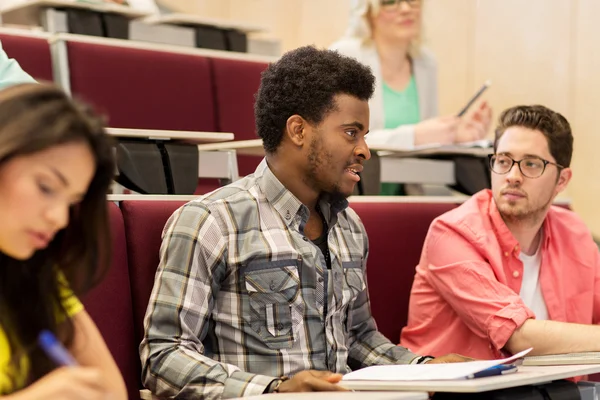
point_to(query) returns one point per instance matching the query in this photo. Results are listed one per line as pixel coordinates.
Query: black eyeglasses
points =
(531, 167)
(395, 4)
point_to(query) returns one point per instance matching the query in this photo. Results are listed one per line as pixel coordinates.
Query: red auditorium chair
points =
(31, 52)
(390, 226)
(145, 89)
(396, 234)
(236, 83)
(109, 305)
(144, 222)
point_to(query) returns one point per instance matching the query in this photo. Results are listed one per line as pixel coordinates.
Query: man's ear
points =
(563, 179)
(295, 130)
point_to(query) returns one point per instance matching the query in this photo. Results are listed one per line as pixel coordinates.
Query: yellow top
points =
(71, 304)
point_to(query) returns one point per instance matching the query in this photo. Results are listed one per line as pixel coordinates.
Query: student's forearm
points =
(554, 337)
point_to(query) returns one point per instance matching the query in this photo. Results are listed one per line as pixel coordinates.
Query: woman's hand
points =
(475, 125)
(66, 383)
(439, 130)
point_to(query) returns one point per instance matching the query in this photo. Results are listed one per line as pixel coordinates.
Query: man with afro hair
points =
(261, 284)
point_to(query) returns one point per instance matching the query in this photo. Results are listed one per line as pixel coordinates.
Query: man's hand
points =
(312, 381)
(449, 358)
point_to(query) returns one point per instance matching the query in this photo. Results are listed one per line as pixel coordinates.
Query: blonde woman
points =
(386, 36)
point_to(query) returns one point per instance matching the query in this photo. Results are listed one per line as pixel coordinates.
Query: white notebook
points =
(426, 372)
(564, 359)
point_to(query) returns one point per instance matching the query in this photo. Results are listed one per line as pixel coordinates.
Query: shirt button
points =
(320, 279)
(305, 238)
(280, 326)
(272, 285)
(288, 215)
(516, 274)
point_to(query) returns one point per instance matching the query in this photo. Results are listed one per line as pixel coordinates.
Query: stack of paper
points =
(427, 372)
(564, 359)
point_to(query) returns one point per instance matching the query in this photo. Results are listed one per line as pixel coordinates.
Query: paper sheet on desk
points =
(426, 372)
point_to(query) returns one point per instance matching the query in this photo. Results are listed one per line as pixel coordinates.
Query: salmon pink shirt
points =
(465, 296)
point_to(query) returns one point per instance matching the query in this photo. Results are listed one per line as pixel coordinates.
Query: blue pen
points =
(494, 371)
(55, 350)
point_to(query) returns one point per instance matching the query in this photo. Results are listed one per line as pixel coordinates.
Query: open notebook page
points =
(426, 372)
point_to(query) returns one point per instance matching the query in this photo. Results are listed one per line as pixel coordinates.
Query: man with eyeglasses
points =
(506, 270)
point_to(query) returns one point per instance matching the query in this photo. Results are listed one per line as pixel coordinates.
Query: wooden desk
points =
(146, 395)
(417, 389)
(397, 165)
(186, 136)
(527, 375)
(254, 147)
(211, 164)
(343, 396)
(28, 12)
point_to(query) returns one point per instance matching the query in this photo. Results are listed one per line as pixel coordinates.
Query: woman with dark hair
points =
(56, 164)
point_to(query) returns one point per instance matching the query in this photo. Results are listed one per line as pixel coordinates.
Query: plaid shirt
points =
(241, 296)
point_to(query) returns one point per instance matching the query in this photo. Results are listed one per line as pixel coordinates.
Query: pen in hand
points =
(55, 350)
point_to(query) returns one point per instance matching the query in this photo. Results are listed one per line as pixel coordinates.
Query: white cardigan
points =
(425, 73)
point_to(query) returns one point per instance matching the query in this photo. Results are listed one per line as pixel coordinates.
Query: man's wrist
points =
(275, 384)
(422, 359)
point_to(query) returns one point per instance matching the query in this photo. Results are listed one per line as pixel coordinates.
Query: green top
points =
(10, 71)
(400, 108)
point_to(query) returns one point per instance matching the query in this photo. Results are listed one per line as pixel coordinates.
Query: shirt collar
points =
(288, 205)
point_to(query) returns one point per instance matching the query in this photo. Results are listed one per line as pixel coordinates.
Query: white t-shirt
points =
(531, 291)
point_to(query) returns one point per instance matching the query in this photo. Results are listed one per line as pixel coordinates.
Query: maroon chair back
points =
(32, 54)
(236, 83)
(109, 305)
(396, 234)
(146, 89)
(144, 222)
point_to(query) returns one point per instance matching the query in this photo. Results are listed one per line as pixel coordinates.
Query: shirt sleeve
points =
(367, 345)
(69, 301)
(11, 72)
(466, 281)
(176, 322)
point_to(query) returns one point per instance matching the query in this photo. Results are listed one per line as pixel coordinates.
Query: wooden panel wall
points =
(534, 51)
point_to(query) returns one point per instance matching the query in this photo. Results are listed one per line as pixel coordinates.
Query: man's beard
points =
(320, 160)
(523, 215)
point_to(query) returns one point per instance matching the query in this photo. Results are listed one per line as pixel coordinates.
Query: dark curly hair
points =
(553, 125)
(304, 81)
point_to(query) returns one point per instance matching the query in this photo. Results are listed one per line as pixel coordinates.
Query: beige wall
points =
(584, 94)
(534, 51)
